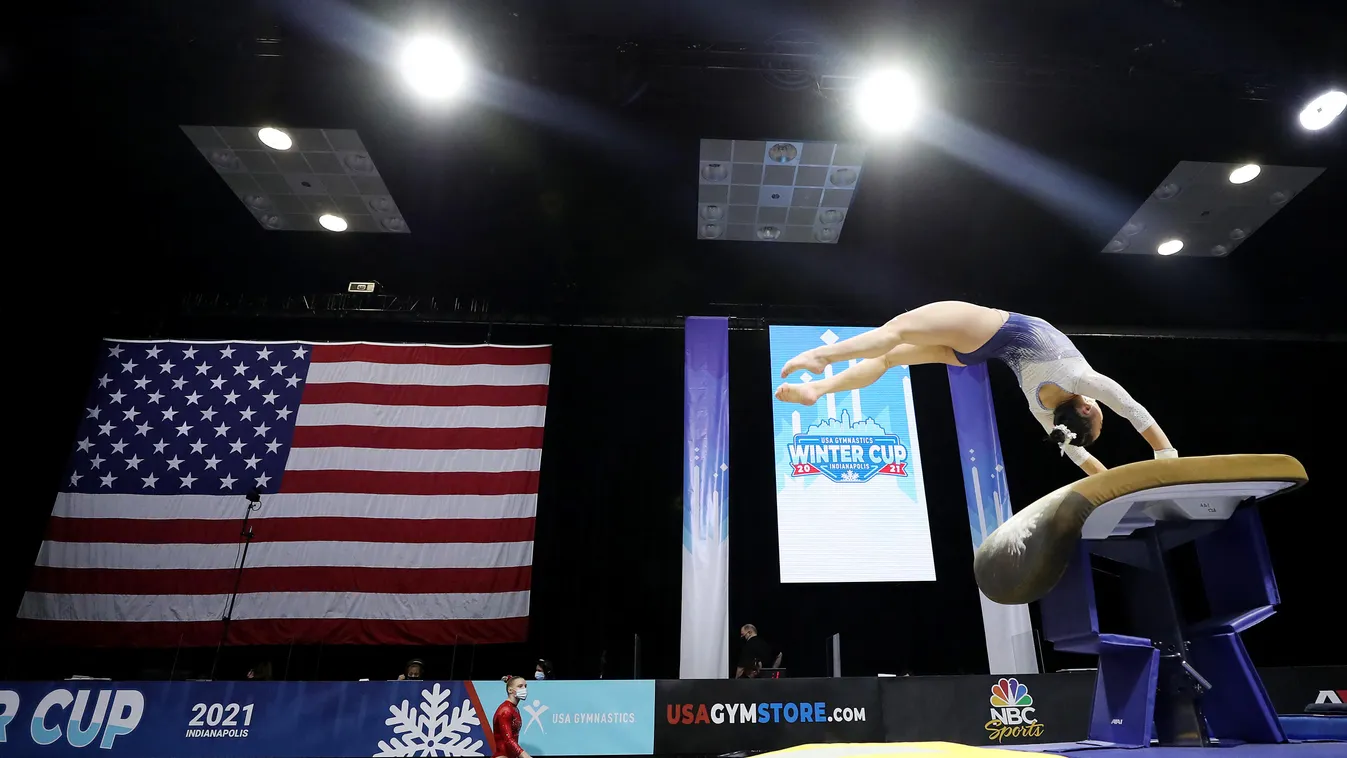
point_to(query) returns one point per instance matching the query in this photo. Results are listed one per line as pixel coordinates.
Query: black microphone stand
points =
(254, 497)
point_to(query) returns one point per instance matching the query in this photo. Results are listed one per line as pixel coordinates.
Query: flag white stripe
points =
(419, 461)
(421, 416)
(275, 605)
(420, 374)
(420, 555)
(295, 505)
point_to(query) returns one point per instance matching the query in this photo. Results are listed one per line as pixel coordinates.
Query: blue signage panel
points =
(279, 719)
(597, 717)
(557, 718)
(241, 719)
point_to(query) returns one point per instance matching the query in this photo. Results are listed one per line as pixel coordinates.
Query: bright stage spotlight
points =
(433, 68)
(1169, 247)
(1245, 174)
(887, 101)
(274, 138)
(1323, 109)
(332, 223)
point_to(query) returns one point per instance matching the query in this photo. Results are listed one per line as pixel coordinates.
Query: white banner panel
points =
(851, 505)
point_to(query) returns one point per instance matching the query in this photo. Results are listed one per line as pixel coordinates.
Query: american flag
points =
(399, 485)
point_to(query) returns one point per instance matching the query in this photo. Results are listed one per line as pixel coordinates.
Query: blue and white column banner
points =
(1010, 637)
(704, 641)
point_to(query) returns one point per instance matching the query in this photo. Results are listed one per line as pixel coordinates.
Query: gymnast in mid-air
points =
(1063, 391)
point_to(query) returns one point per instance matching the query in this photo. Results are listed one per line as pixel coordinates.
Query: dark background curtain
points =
(607, 554)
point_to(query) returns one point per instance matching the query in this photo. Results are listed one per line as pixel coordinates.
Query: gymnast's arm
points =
(1088, 463)
(1113, 395)
(1078, 455)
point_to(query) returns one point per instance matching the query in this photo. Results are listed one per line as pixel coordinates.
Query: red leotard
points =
(505, 726)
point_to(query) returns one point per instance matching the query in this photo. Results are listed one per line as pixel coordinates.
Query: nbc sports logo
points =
(1012, 712)
(1010, 692)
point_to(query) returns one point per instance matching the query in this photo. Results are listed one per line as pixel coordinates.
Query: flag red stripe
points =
(434, 356)
(401, 581)
(386, 438)
(415, 394)
(412, 483)
(271, 632)
(304, 529)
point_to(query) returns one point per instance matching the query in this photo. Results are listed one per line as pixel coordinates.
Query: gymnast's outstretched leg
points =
(959, 326)
(866, 373)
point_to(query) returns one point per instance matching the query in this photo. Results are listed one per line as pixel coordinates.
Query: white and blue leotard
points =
(1040, 354)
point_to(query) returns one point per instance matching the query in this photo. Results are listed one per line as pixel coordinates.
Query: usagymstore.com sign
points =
(716, 716)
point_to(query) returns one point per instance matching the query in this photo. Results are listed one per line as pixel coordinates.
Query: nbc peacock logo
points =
(1012, 712)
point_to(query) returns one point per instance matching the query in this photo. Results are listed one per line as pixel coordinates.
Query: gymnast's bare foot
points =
(804, 394)
(809, 360)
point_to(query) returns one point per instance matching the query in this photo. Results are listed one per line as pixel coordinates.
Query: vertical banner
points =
(704, 639)
(850, 496)
(1010, 636)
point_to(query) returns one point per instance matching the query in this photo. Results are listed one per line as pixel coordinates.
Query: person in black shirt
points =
(754, 655)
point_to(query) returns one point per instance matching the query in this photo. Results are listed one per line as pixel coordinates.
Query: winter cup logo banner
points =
(849, 476)
(847, 457)
(60, 715)
(1012, 712)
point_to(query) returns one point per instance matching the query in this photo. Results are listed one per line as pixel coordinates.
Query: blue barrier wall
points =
(306, 719)
(190, 719)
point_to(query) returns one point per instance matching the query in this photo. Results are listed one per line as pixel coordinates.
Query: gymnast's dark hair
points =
(1067, 415)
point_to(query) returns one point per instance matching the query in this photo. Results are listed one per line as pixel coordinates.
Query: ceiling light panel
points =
(776, 190)
(1201, 206)
(325, 171)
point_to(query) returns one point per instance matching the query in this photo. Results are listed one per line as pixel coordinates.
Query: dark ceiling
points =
(567, 183)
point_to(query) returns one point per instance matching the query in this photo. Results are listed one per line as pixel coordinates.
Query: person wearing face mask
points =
(543, 670)
(413, 670)
(506, 723)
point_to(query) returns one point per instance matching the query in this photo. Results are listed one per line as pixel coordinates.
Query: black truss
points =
(462, 310)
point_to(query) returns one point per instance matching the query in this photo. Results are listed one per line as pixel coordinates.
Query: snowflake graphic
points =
(850, 476)
(432, 730)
